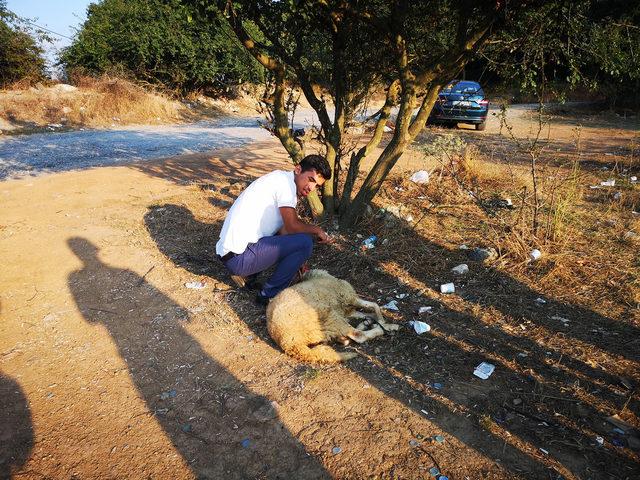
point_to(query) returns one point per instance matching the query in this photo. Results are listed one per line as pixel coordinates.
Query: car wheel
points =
(481, 126)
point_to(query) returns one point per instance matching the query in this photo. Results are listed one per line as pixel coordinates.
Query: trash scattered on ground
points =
(617, 195)
(392, 305)
(523, 354)
(437, 386)
(186, 427)
(609, 183)
(420, 327)
(402, 295)
(420, 177)
(447, 288)
(483, 254)
(634, 179)
(565, 321)
(409, 218)
(463, 247)
(169, 394)
(484, 370)
(461, 269)
(414, 443)
(546, 452)
(600, 441)
(245, 443)
(617, 442)
(422, 310)
(540, 301)
(336, 450)
(385, 241)
(618, 431)
(369, 242)
(195, 285)
(534, 254)
(439, 438)
(434, 471)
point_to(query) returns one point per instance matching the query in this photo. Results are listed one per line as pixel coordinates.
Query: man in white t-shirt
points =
(263, 229)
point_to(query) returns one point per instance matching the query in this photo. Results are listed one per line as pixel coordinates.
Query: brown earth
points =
(111, 368)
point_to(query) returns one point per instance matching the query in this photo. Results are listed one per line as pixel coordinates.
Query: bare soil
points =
(110, 367)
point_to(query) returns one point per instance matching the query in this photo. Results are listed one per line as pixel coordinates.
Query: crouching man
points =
(263, 229)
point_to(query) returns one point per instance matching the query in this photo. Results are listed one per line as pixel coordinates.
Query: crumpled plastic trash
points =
(461, 269)
(422, 310)
(447, 288)
(484, 370)
(195, 285)
(392, 305)
(420, 177)
(609, 183)
(420, 327)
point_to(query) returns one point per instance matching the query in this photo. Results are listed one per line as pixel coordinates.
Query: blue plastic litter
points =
(434, 471)
(437, 386)
(336, 450)
(245, 443)
(439, 438)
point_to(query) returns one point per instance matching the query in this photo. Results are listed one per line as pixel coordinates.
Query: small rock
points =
(517, 401)
(483, 254)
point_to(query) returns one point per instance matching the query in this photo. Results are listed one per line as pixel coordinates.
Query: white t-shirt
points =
(255, 213)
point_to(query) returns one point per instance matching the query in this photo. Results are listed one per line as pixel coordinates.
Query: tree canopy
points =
(21, 55)
(161, 42)
(338, 52)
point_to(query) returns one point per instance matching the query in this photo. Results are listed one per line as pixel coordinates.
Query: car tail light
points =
(483, 102)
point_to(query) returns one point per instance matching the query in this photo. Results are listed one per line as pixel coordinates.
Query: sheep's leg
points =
(361, 336)
(374, 307)
(368, 319)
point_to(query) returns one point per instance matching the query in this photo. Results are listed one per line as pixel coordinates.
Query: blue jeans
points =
(288, 252)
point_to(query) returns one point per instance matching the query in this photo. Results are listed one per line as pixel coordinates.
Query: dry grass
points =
(100, 102)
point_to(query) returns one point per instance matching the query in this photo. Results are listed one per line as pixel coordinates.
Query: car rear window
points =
(464, 87)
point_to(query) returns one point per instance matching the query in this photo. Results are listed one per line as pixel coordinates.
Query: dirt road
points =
(110, 367)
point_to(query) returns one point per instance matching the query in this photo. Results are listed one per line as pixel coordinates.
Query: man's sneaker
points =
(238, 280)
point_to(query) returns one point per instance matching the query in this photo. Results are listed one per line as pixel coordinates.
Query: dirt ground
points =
(110, 367)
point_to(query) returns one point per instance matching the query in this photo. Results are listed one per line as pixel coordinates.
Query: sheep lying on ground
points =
(316, 310)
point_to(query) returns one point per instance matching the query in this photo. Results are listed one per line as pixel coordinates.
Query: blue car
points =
(461, 101)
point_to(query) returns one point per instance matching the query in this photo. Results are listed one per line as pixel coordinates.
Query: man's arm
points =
(293, 224)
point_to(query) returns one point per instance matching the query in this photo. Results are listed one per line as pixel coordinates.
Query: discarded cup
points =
(535, 254)
(420, 327)
(447, 288)
(461, 269)
(484, 370)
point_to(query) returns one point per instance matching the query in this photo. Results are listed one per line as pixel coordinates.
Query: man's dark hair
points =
(317, 163)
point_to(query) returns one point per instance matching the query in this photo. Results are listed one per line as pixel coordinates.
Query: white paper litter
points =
(422, 310)
(195, 285)
(484, 370)
(447, 288)
(420, 177)
(420, 327)
(609, 183)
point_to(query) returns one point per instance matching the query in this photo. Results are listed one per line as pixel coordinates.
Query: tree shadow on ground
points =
(16, 428)
(563, 399)
(183, 386)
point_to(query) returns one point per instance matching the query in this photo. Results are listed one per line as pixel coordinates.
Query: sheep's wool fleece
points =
(255, 213)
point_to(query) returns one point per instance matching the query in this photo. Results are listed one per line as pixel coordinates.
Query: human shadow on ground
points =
(542, 377)
(183, 386)
(16, 427)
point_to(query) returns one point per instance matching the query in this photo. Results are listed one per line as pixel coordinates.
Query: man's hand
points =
(323, 237)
